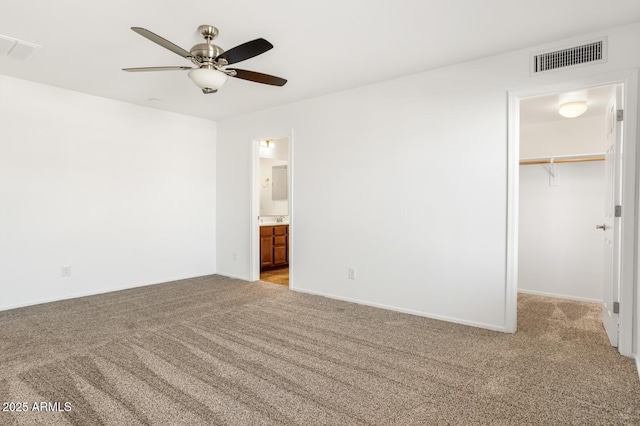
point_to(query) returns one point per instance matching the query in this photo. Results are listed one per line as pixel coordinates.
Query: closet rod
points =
(561, 160)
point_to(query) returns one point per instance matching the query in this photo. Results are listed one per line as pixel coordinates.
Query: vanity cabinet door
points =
(274, 246)
(266, 246)
(280, 245)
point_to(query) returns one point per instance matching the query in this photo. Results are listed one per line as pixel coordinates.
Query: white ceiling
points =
(320, 47)
(543, 109)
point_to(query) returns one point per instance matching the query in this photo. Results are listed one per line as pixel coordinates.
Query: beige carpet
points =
(215, 351)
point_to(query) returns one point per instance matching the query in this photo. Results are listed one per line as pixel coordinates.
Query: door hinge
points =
(618, 211)
(616, 307)
(619, 115)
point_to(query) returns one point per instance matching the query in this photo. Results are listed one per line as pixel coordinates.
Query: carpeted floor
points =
(215, 351)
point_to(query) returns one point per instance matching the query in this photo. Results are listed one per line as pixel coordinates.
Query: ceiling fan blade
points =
(258, 77)
(162, 42)
(246, 50)
(143, 69)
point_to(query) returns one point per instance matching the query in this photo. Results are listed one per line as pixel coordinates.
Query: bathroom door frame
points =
(254, 217)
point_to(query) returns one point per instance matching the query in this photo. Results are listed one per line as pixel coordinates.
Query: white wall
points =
(405, 180)
(122, 194)
(563, 137)
(278, 150)
(560, 251)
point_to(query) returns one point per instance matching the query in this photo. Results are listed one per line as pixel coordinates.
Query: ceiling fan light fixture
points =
(572, 109)
(208, 79)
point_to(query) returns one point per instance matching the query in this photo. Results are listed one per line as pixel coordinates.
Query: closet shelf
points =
(562, 159)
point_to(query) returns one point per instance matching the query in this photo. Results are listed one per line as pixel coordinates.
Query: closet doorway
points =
(563, 192)
(273, 201)
(622, 285)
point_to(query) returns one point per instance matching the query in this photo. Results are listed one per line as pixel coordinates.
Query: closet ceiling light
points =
(572, 109)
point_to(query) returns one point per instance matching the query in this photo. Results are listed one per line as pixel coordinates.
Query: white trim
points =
(628, 232)
(629, 78)
(254, 222)
(405, 311)
(98, 292)
(637, 364)
(292, 216)
(513, 178)
(560, 296)
(236, 277)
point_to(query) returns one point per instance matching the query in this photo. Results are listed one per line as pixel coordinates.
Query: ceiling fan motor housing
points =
(205, 53)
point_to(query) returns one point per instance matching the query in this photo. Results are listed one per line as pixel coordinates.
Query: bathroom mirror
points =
(279, 183)
(274, 178)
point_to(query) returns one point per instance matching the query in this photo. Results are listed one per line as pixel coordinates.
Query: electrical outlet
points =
(352, 273)
(66, 271)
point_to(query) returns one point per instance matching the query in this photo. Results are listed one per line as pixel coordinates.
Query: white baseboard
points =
(637, 357)
(559, 296)
(237, 277)
(406, 311)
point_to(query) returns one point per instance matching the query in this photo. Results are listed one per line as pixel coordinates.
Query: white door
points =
(611, 224)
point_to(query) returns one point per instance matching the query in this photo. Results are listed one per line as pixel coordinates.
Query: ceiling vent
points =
(584, 54)
(17, 49)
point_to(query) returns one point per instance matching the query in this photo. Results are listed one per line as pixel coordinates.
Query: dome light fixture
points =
(208, 79)
(572, 109)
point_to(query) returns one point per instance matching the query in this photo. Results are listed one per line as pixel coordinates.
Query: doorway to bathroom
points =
(273, 178)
